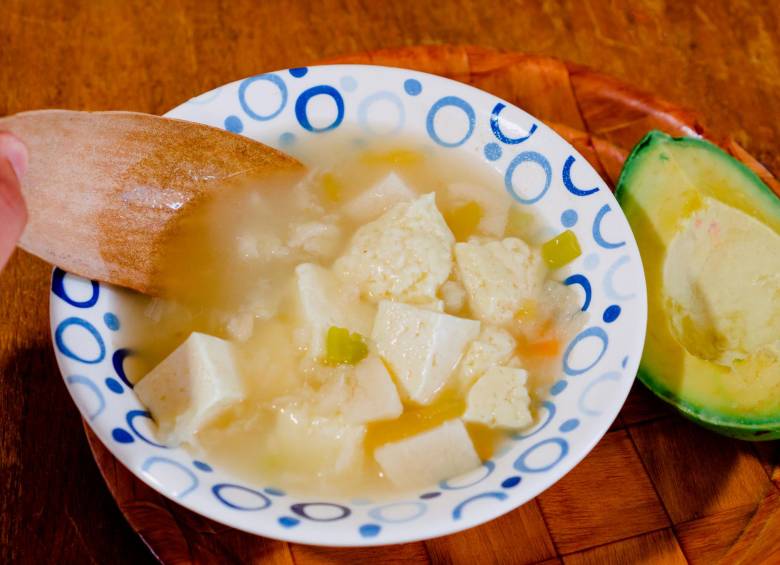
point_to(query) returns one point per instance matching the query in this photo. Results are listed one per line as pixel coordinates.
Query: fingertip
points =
(13, 212)
(15, 151)
(13, 209)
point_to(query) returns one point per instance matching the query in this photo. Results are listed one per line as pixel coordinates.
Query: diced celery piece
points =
(464, 220)
(343, 348)
(561, 250)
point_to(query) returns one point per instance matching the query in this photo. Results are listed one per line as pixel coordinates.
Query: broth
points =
(230, 274)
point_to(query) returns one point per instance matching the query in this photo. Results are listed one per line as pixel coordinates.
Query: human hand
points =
(13, 213)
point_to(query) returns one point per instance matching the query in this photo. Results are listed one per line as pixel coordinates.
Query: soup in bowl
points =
(426, 329)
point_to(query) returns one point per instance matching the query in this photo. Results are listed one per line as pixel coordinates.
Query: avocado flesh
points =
(721, 277)
(707, 230)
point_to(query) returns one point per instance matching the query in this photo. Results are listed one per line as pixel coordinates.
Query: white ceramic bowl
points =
(539, 169)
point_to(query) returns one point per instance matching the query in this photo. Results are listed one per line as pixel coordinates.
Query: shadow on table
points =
(54, 505)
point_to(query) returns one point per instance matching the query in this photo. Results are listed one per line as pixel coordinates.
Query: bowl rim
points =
(432, 529)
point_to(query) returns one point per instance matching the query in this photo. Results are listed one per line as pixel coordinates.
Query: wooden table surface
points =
(722, 58)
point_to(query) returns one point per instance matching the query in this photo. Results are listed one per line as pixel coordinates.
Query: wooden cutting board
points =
(656, 489)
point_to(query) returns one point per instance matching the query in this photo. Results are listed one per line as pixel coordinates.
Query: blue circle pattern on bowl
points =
(598, 363)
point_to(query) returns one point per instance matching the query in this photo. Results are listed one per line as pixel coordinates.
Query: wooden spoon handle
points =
(103, 188)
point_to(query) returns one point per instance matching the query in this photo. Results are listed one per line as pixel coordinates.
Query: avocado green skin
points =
(745, 428)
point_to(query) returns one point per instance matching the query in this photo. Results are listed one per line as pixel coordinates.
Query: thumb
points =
(13, 213)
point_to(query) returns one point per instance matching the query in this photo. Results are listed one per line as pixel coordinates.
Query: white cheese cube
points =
(499, 276)
(317, 238)
(264, 300)
(308, 445)
(515, 363)
(239, 326)
(565, 306)
(499, 399)
(494, 203)
(453, 295)
(421, 347)
(323, 302)
(424, 459)
(492, 348)
(378, 199)
(262, 247)
(372, 395)
(556, 313)
(434, 305)
(190, 387)
(406, 254)
(305, 192)
(356, 395)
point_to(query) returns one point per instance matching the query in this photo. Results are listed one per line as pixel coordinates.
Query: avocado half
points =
(708, 231)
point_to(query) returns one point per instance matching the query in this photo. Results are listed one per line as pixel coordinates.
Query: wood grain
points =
(720, 57)
(174, 534)
(707, 540)
(605, 498)
(521, 534)
(398, 555)
(759, 540)
(728, 476)
(105, 190)
(769, 454)
(655, 548)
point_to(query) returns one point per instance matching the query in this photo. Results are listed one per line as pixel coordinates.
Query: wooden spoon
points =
(103, 188)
